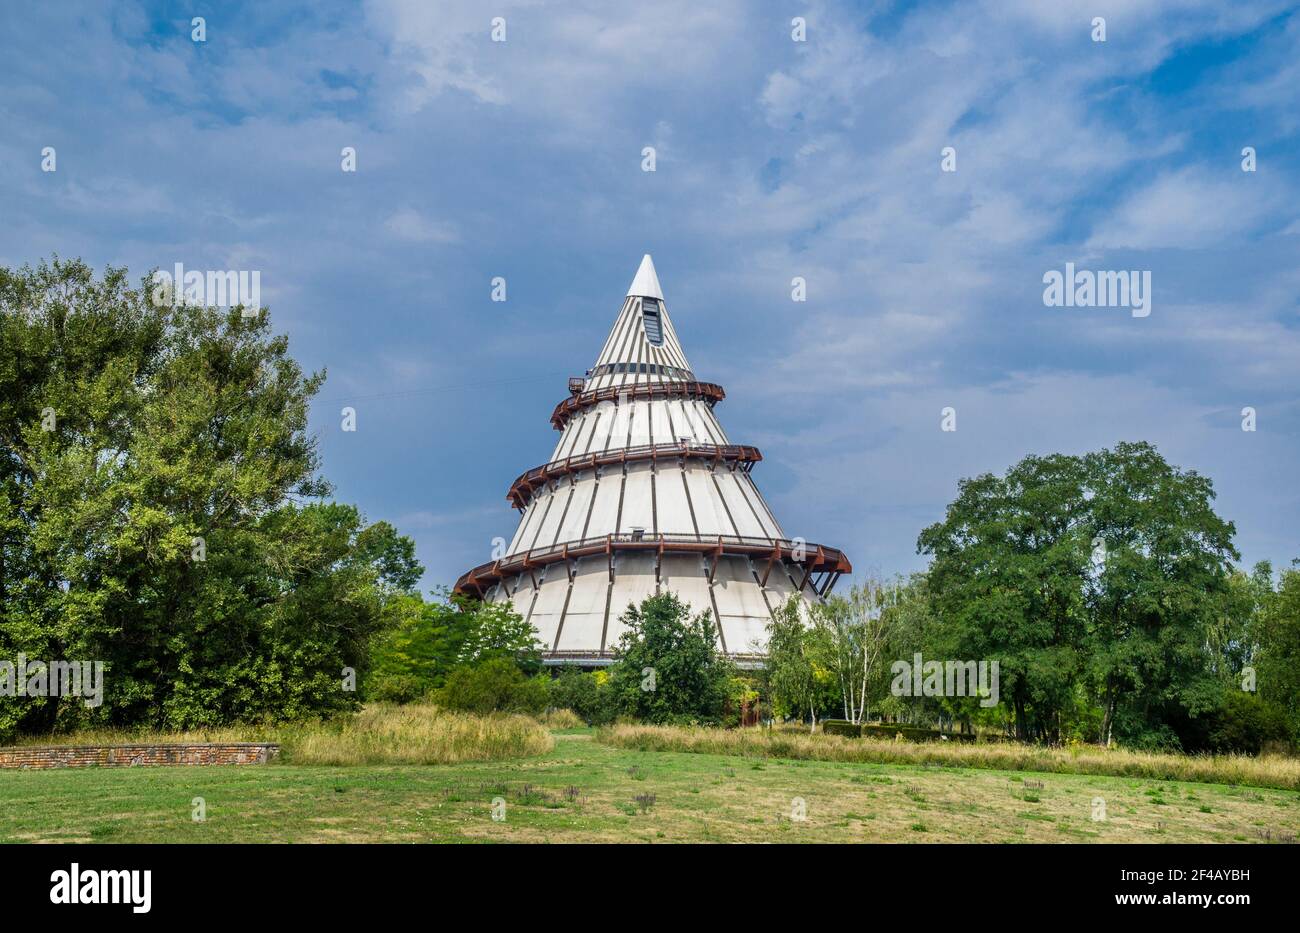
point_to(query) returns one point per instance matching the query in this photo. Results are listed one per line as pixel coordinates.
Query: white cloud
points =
(1187, 209)
(410, 224)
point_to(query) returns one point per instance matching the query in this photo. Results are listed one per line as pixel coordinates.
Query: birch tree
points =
(854, 632)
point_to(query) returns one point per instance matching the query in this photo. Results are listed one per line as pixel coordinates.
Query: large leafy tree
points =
(1162, 570)
(1095, 578)
(1010, 562)
(161, 510)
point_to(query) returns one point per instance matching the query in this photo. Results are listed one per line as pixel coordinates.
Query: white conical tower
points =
(645, 493)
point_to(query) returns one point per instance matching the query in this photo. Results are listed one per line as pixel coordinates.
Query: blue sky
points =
(775, 159)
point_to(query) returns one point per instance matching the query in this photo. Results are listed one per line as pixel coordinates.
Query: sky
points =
(774, 159)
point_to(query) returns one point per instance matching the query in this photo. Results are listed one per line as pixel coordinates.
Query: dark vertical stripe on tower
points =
(690, 504)
(713, 475)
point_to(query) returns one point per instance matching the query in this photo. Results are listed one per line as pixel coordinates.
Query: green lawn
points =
(586, 791)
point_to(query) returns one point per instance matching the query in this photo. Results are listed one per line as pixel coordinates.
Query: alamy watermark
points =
(221, 288)
(946, 679)
(33, 678)
(89, 886)
(1102, 289)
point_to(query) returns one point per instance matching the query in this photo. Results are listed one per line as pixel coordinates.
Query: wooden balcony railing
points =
(828, 562)
(521, 490)
(575, 403)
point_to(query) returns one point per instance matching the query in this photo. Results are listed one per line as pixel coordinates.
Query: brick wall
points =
(125, 756)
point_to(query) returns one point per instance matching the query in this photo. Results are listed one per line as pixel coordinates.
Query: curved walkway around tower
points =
(580, 401)
(521, 490)
(827, 562)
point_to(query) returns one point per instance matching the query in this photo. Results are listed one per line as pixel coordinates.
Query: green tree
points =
(1233, 638)
(1010, 560)
(495, 630)
(854, 633)
(1278, 633)
(790, 669)
(1160, 578)
(913, 629)
(1091, 579)
(669, 667)
(161, 511)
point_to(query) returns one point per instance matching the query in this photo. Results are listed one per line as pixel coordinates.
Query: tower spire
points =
(646, 283)
(642, 346)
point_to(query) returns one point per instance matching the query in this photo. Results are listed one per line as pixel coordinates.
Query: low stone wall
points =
(126, 756)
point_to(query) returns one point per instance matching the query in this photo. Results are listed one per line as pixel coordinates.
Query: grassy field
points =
(582, 790)
(1275, 771)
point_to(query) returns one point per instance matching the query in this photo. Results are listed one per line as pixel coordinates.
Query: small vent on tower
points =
(650, 318)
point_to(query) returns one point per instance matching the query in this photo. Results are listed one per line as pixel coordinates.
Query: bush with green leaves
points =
(1247, 723)
(494, 685)
(587, 693)
(842, 727)
(430, 639)
(397, 688)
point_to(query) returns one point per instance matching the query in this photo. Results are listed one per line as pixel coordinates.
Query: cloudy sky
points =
(775, 159)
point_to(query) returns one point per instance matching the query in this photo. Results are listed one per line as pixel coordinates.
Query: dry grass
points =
(380, 734)
(562, 719)
(1265, 771)
(417, 734)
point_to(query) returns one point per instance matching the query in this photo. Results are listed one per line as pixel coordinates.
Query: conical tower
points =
(644, 493)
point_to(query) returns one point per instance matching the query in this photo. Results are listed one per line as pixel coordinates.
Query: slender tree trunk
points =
(1106, 720)
(862, 704)
(1109, 719)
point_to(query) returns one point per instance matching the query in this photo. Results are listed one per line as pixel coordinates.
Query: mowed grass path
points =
(584, 791)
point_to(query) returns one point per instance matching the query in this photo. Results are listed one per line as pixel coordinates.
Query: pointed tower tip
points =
(646, 283)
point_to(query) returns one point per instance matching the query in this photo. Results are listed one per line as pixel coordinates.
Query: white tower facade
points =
(644, 493)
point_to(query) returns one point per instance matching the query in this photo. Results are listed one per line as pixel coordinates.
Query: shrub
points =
(397, 688)
(841, 727)
(586, 693)
(890, 730)
(494, 685)
(1246, 723)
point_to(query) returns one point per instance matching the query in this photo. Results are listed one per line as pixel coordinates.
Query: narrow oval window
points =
(654, 331)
